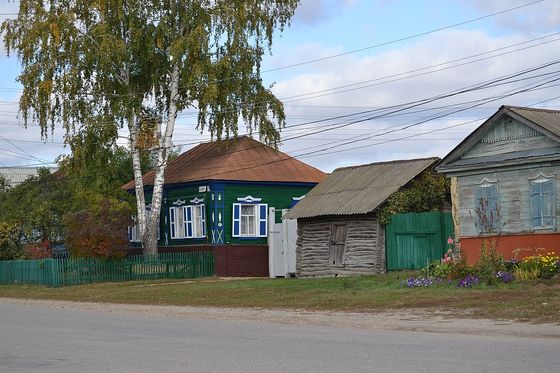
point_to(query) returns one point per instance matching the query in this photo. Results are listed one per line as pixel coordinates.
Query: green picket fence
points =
(66, 272)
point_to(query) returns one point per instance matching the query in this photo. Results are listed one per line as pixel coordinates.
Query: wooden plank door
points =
(338, 243)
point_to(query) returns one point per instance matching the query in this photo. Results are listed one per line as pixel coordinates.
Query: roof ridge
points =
(387, 162)
(531, 109)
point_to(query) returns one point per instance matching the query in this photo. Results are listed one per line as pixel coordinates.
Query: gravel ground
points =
(434, 321)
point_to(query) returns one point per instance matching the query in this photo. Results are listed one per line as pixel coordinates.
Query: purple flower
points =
(468, 282)
(505, 276)
(416, 282)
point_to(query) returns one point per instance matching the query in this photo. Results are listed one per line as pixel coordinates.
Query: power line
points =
(404, 38)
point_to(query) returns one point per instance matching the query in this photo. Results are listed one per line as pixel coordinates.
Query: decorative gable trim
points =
(179, 202)
(541, 178)
(486, 182)
(298, 198)
(248, 199)
(480, 133)
(196, 200)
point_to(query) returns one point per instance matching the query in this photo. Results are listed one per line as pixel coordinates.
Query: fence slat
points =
(67, 271)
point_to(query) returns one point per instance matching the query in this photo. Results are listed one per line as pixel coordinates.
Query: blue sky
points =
(323, 28)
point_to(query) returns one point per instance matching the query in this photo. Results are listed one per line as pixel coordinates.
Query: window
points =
(187, 221)
(249, 220)
(486, 207)
(198, 221)
(542, 203)
(134, 231)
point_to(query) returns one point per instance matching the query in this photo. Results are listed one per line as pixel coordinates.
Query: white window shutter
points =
(262, 219)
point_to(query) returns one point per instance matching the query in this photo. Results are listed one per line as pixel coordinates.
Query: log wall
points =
(364, 252)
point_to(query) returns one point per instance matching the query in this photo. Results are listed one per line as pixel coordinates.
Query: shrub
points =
(99, 232)
(42, 250)
(526, 274)
(10, 247)
(543, 266)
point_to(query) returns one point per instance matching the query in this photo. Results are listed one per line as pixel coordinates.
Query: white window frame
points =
(198, 221)
(258, 220)
(484, 186)
(180, 224)
(177, 222)
(542, 179)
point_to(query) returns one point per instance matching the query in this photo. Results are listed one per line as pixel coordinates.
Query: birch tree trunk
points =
(133, 126)
(150, 236)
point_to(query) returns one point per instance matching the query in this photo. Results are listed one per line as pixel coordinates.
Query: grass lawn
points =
(537, 301)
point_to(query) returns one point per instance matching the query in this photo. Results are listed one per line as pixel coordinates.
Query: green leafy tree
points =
(36, 207)
(138, 63)
(424, 194)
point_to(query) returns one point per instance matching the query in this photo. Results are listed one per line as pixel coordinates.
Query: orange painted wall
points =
(529, 244)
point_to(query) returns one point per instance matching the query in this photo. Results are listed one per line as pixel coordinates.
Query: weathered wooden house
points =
(503, 183)
(338, 229)
(217, 196)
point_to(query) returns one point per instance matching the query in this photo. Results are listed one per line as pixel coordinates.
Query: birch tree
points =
(138, 63)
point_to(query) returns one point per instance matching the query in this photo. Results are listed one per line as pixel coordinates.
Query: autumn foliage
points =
(40, 250)
(100, 231)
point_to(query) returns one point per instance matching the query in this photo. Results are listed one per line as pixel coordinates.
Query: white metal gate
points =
(281, 245)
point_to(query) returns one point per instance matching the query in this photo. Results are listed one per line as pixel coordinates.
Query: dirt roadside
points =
(433, 321)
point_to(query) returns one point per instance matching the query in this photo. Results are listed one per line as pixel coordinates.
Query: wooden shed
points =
(509, 164)
(338, 229)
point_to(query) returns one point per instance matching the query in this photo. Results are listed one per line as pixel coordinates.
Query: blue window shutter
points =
(548, 210)
(491, 194)
(172, 221)
(236, 219)
(263, 212)
(187, 210)
(536, 205)
(203, 217)
(478, 201)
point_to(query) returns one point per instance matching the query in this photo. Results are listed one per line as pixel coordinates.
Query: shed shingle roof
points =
(358, 189)
(244, 159)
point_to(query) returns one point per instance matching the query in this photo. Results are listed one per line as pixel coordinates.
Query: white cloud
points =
(435, 49)
(538, 17)
(313, 12)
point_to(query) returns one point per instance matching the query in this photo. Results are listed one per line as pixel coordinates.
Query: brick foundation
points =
(229, 260)
(512, 246)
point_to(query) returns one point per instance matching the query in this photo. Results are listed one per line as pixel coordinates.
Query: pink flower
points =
(450, 240)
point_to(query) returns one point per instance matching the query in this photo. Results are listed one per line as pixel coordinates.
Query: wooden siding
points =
(511, 137)
(364, 246)
(513, 196)
(279, 196)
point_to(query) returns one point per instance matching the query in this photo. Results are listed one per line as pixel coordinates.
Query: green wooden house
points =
(217, 197)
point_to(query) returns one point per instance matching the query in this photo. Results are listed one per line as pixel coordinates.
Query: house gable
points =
(505, 138)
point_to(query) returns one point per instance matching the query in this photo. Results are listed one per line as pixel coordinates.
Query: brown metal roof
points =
(241, 159)
(358, 189)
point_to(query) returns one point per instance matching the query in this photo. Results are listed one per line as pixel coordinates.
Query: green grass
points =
(537, 301)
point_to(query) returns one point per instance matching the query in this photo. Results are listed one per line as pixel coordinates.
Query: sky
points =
(369, 80)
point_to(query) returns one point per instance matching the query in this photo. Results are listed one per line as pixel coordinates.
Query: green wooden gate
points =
(412, 240)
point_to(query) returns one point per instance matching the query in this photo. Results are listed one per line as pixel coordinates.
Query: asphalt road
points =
(45, 339)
